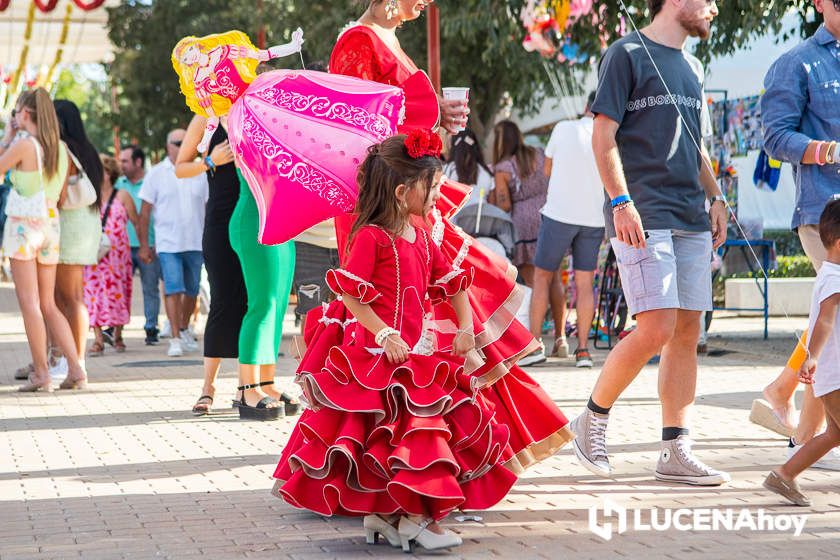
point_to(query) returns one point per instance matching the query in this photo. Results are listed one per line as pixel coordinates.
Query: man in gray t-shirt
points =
(650, 122)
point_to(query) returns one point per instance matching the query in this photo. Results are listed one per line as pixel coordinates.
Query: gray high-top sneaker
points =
(678, 464)
(590, 444)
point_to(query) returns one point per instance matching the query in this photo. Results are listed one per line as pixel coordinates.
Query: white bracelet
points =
(835, 157)
(383, 334)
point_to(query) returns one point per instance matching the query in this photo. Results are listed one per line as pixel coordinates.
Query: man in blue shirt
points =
(132, 160)
(801, 113)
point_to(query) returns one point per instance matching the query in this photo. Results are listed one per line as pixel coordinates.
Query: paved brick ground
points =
(124, 470)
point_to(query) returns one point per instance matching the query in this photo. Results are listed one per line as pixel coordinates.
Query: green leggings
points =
(268, 271)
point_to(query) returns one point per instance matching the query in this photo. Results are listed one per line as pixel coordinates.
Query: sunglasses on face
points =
(177, 143)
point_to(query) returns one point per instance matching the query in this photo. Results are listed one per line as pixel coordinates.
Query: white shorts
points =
(674, 271)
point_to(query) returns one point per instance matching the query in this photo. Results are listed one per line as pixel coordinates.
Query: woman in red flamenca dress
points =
(369, 49)
(395, 431)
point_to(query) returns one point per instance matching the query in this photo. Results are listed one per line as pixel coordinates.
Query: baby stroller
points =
(490, 225)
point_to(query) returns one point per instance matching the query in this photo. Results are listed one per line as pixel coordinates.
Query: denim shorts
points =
(181, 272)
(674, 271)
(555, 238)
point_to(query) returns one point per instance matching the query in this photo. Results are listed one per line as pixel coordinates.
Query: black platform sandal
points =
(290, 407)
(259, 412)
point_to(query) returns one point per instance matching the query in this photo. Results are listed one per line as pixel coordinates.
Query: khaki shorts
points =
(33, 238)
(809, 236)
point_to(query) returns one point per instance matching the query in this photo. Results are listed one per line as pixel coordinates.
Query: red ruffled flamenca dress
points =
(537, 426)
(391, 438)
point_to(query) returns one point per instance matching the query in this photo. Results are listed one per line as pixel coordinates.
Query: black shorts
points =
(311, 265)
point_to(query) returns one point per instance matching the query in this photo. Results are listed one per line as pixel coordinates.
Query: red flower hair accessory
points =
(421, 143)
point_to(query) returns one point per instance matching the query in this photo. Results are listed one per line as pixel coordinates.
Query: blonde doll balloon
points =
(214, 71)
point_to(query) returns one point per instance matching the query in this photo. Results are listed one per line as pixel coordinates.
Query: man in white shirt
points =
(178, 208)
(573, 217)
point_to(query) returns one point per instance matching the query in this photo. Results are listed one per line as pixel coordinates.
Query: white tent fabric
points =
(87, 36)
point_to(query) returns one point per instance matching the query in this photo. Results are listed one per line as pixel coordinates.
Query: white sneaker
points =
(534, 358)
(166, 331)
(59, 370)
(590, 443)
(828, 462)
(175, 348)
(188, 341)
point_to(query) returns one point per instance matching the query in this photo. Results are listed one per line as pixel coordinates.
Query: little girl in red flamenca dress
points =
(394, 431)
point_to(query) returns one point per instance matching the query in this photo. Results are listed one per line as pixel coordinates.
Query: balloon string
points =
(707, 164)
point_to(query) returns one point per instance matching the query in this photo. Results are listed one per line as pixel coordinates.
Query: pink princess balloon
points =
(298, 138)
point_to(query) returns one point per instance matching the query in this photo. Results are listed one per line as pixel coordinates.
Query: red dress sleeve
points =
(354, 55)
(353, 279)
(446, 280)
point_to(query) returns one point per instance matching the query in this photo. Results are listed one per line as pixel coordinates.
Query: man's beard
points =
(695, 27)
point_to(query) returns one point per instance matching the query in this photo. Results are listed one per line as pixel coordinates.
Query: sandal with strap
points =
(261, 410)
(291, 405)
(119, 344)
(23, 373)
(202, 405)
(96, 349)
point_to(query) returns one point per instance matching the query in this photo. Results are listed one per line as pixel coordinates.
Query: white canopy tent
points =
(35, 44)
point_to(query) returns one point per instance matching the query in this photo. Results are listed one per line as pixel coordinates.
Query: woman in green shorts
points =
(81, 229)
(268, 271)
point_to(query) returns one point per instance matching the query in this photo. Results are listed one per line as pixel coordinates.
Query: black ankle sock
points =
(673, 433)
(595, 408)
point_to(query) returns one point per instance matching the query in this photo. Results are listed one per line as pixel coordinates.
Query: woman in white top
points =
(466, 165)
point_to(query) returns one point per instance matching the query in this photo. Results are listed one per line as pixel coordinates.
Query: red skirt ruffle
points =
(384, 438)
(538, 428)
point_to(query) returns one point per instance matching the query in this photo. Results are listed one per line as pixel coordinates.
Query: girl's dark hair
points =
(386, 166)
(510, 144)
(73, 134)
(467, 156)
(830, 223)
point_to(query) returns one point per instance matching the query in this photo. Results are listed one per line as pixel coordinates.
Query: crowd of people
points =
(410, 356)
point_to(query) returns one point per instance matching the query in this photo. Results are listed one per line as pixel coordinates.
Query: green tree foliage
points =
(480, 46)
(91, 94)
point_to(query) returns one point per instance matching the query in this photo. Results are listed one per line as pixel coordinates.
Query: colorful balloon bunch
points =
(546, 22)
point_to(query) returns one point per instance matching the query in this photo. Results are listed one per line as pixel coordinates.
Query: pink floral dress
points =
(108, 283)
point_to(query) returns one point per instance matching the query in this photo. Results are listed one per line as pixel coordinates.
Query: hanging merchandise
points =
(737, 125)
(768, 171)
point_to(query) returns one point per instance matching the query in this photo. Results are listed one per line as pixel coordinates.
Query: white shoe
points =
(166, 331)
(375, 526)
(534, 358)
(188, 341)
(411, 533)
(59, 370)
(175, 348)
(828, 462)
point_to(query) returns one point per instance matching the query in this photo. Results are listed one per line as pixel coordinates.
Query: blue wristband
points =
(208, 161)
(620, 199)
